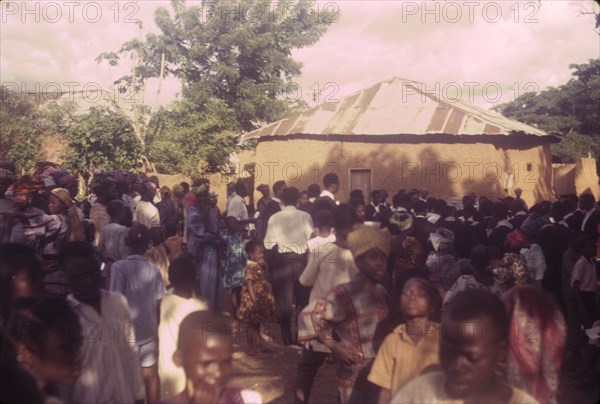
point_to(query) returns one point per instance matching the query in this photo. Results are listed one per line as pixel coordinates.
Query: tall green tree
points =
(103, 138)
(228, 54)
(571, 111)
(176, 142)
(21, 130)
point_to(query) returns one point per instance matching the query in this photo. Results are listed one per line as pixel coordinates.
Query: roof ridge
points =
(384, 108)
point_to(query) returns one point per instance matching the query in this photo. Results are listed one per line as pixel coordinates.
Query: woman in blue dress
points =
(203, 242)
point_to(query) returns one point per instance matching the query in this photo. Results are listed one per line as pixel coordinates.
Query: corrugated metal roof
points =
(396, 107)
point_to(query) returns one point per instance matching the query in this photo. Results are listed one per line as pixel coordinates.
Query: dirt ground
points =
(273, 375)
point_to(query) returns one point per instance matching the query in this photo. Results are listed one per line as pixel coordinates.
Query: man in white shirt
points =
(326, 200)
(373, 209)
(236, 205)
(329, 264)
(331, 182)
(287, 235)
(584, 281)
(111, 372)
(146, 213)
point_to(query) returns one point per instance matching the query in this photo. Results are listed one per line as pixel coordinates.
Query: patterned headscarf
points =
(537, 341)
(363, 238)
(63, 195)
(517, 239)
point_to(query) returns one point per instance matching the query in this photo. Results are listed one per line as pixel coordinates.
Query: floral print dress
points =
(262, 309)
(511, 271)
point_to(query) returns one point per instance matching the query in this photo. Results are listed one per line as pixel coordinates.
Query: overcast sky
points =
(469, 45)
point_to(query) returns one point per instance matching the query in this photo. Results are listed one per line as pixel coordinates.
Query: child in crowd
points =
(158, 254)
(205, 352)
(474, 341)
(140, 282)
(257, 305)
(325, 234)
(353, 310)
(414, 345)
(174, 242)
(179, 301)
(44, 336)
(112, 246)
(235, 261)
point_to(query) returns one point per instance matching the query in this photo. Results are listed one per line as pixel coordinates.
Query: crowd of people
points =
(131, 294)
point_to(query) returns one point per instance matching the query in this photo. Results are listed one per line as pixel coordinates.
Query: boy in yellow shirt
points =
(414, 345)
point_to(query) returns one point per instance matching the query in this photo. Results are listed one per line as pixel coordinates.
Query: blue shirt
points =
(140, 282)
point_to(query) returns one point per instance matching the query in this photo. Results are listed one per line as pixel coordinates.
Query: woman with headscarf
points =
(61, 203)
(441, 263)
(203, 241)
(44, 233)
(510, 271)
(517, 241)
(537, 339)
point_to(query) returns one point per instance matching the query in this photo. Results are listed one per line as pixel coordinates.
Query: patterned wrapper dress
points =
(261, 310)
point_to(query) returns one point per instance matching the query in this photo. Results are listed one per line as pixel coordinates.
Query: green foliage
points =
(24, 154)
(187, 139)
(58, 116)
(571, 111)
(234, 59)
(21, 130)
(241, 51)
(101, 139)
(574, 145)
